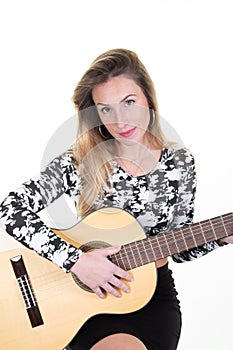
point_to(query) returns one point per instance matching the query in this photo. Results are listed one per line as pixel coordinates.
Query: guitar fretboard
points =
(150, 249)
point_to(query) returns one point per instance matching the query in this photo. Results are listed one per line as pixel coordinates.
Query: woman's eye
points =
(129, 102)
(105, 110)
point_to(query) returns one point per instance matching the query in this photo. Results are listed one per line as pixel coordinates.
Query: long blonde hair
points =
(93, 151)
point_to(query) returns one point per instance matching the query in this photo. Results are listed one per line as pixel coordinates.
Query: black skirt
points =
(157, 324)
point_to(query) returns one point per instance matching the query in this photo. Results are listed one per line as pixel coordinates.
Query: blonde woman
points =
(120, 159)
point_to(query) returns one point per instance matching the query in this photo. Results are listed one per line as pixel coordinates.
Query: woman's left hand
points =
(226, 240)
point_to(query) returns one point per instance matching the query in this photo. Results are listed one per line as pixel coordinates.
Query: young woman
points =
(120, 159)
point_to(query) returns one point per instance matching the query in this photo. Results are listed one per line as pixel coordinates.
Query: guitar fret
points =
(185, 238)
(177, 248)
(133, 255)
(127, 257)
(165, 238)
(152, 251)
(202, 232)
(119, 260)
(221, 218)
(179, 240)
(139, 254)
(187, 248)
(163, 245)
(145, 250)
(209, 233)
(193, 237)
(210, 221)
(159, 246)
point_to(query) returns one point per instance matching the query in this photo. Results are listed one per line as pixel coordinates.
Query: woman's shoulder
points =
(62, 165)
(179, 154)
(68, 165)
(177, 159)
(65, 160)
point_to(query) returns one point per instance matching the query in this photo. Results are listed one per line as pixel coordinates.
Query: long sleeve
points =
(18, 212)
(184, 212)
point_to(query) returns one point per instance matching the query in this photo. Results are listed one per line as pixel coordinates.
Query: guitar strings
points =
(56, 281)
(137, 257)
(187, 234)
(133, 249)
(165, 238)
(168, 238)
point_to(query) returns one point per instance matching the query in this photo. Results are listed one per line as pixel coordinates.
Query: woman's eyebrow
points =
(125, 98)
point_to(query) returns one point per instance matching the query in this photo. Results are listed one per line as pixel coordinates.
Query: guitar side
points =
(63, 304)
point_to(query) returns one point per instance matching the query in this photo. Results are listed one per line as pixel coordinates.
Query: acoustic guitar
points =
(42, 307)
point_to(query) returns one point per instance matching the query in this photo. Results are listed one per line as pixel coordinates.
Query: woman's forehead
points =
(115, 90)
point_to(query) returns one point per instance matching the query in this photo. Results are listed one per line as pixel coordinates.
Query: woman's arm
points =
(18, 212)
(18, 217)
(184, 212)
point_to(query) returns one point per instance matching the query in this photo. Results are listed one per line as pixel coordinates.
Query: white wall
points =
(187, 47)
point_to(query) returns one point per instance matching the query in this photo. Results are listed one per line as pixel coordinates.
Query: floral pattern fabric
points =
(161, 200)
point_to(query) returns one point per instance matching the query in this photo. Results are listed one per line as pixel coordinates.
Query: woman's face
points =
(123, 109)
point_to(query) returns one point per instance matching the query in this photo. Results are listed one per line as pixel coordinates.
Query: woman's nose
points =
(120, 117)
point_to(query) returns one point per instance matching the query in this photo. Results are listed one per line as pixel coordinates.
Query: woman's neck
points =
(138, 159)
(137, 151)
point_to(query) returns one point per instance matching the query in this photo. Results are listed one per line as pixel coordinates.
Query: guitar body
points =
(65, 305)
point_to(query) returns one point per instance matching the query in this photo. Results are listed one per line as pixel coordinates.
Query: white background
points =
(187, 47)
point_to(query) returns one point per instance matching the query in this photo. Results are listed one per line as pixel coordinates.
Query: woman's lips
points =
(128, 132)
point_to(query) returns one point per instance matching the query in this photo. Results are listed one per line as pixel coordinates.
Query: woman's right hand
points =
(95, 270)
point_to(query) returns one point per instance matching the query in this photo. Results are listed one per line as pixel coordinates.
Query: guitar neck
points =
(150, 249)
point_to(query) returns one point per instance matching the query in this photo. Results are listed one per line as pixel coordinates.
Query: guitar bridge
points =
(26, 291)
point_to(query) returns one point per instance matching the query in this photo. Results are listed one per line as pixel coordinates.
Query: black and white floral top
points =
(161, 201)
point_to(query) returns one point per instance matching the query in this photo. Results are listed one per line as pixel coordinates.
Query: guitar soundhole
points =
(85, 248)
(81, 284)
